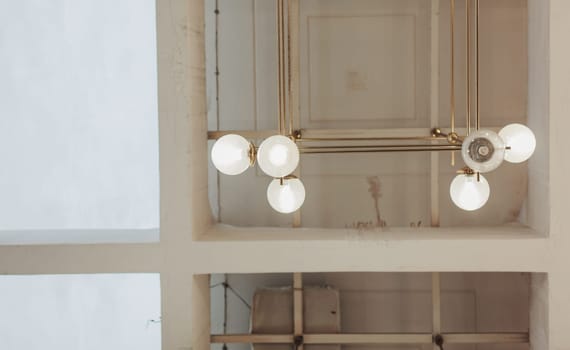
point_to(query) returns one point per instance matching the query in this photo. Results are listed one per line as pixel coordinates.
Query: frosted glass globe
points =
(468, 193)
(287, 197)
(278, 156)
(230, 154)
(521, 141)
(483, 151)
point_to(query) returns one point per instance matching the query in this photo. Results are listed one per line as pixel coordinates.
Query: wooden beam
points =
(436, 302)
(436, 305)
(374, 338)
(298, 306)
(64, 258)
(404, 338)
(248, 134)
(252, 339)
(486, 338)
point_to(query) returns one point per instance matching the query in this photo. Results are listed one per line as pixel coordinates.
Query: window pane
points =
(78, 116)
(80, 312)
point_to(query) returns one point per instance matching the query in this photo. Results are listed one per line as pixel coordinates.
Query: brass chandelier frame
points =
(337, 141)
(334, 141)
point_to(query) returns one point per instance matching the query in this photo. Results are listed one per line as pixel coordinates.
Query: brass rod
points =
(468, 59)
(380, 150)
(280, 79)
(452, 63)
(381, 146)
(260, 134)
(278, 20)
(283, 69)
(279, 64)
(478, 115)
(289, 57)
(294, 86)
(387, 132)
(394, 138)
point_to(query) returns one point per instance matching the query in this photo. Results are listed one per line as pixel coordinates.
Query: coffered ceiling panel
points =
(366, 64)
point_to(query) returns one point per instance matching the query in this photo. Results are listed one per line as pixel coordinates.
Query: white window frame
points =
(179, 27)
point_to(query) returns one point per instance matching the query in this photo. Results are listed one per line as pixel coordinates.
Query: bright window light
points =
(78, 119)
(80, 312)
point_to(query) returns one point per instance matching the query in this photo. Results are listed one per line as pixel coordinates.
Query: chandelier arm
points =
(349, 135)
(340, 150)
(283, 71)
(452, 75)
(289, 72)
(395, 138)
(280, 76)
(408, 146)
(477, 23)
(452, 64)
(468, 62)
(278, 27)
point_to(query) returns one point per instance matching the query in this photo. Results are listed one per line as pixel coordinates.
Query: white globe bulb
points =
(230, 154)
(468, 193)
(521, 141)
(483, 151)
(278, 156)
(287, 197)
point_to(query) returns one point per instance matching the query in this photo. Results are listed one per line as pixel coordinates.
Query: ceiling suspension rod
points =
(289, 70)
(280, 65)
(477, 23)
(452, 64)
(468, 63)
(283, 68)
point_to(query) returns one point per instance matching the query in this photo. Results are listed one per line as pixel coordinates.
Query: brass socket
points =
(453, 138)
(252, 154)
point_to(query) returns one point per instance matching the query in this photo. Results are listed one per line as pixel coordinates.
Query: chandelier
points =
(278, 155)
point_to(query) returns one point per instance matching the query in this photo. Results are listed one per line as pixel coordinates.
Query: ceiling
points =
(367, 64)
